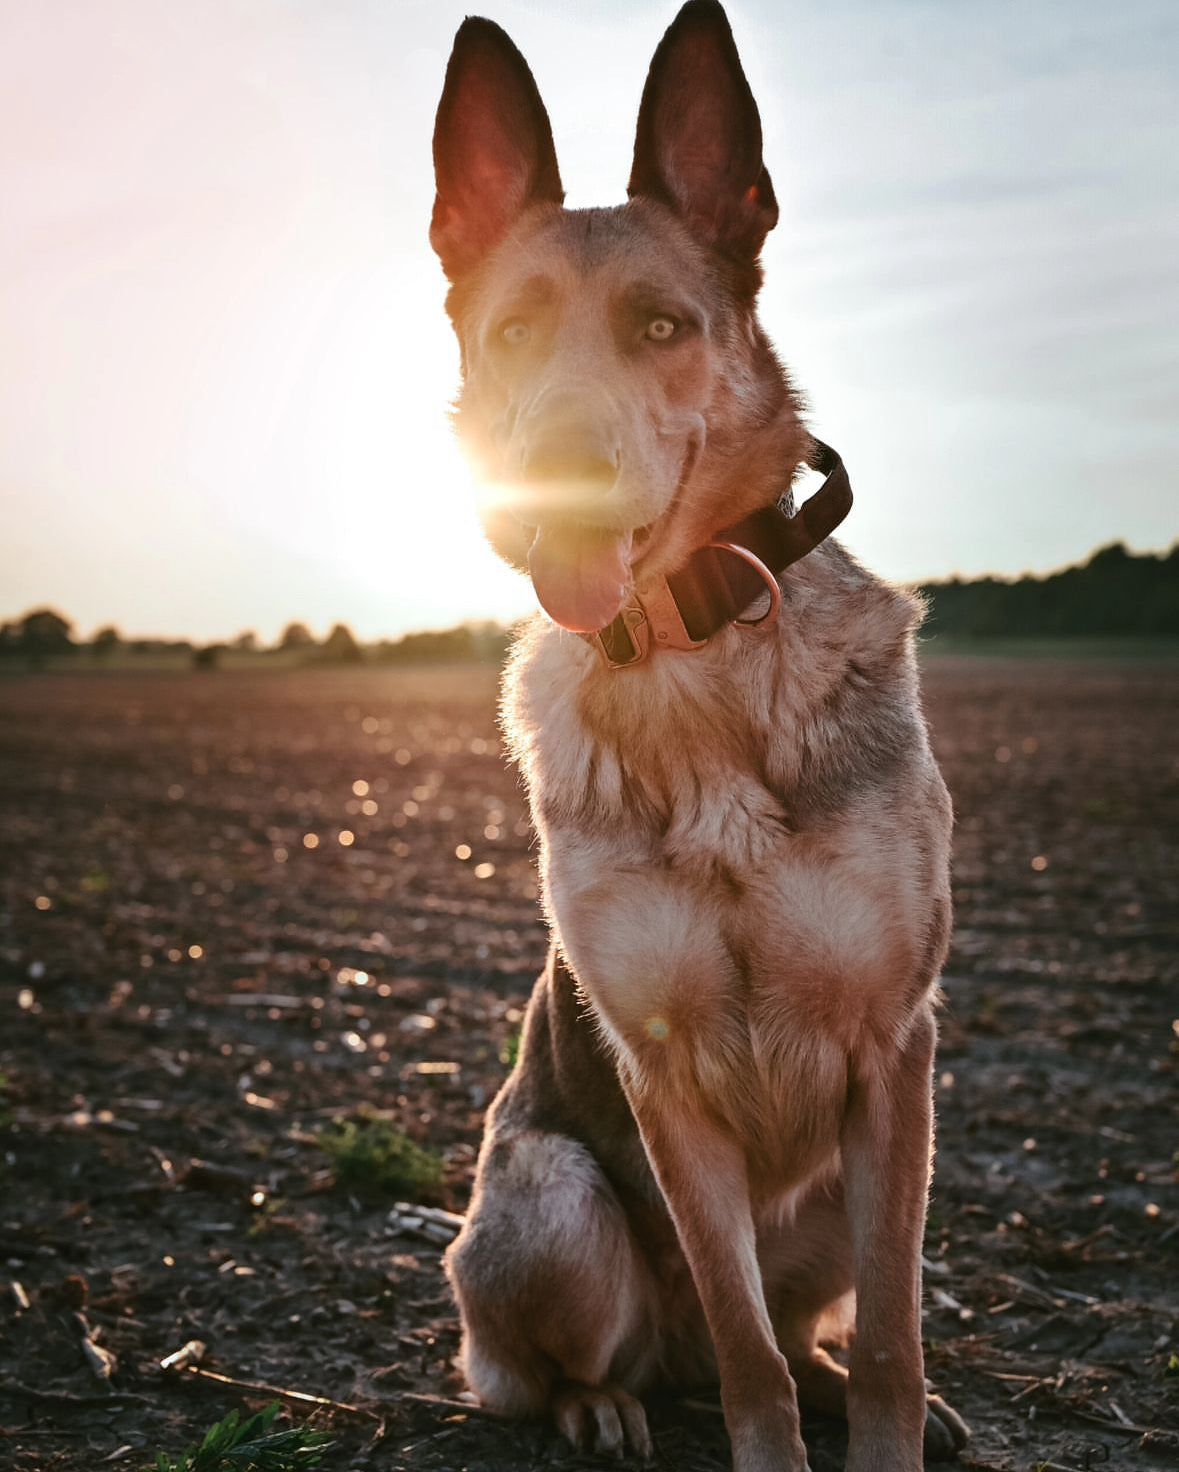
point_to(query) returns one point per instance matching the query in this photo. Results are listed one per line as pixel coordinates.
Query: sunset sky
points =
(224, 365)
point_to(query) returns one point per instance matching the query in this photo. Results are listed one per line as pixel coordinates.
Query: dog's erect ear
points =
(493, 147)
(698, 147)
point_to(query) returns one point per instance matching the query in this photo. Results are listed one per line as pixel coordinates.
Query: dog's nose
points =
(578, 462)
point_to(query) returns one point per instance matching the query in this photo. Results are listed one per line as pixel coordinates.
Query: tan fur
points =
(720, 1124)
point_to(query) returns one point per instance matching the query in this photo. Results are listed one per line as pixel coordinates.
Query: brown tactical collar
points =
(721, 580)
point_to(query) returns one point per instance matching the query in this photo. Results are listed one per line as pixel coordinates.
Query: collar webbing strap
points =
(714, 588)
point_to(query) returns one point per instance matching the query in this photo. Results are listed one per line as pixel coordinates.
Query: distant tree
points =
(296, 636)
(490, 640)
(473, 641)
(246, 642)
(340, 646)
(105, 642)
(42, 633)
(208, 656)
(157, 647)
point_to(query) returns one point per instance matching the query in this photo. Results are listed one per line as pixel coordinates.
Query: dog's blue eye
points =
(659, 329)
(515, 333)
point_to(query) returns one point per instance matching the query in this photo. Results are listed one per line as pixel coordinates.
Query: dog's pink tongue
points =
(581, 574)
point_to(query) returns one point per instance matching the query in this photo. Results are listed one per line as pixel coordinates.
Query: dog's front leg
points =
(887, 1143)
(701, 1171)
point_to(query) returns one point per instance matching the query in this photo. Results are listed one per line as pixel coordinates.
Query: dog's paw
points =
(601, 1418)
(946, 1433)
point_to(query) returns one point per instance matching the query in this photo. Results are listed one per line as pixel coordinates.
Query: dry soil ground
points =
(197, 965)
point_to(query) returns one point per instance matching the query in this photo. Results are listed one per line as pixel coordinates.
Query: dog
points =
(719, 1127)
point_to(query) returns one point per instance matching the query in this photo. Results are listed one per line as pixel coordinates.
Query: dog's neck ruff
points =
(721, 580)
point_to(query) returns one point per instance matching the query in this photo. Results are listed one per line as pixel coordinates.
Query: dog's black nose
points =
(580, 463)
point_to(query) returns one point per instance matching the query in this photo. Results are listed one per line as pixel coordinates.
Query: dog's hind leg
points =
(554, 1299)
(822, 1386)
(807, 1263)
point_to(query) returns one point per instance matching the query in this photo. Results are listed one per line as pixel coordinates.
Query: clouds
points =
(986, 284)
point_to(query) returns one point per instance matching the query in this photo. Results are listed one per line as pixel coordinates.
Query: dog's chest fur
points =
(744, 850)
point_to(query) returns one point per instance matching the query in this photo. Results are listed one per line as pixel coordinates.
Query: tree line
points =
(1115, 593)
(44, 634)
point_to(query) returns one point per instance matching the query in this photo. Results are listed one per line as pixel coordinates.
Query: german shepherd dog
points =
(719, 1127)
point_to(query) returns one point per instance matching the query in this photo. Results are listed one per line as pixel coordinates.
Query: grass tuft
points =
(375, 1158)
(233, 1445)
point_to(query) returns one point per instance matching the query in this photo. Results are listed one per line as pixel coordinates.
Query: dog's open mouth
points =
(582, 574)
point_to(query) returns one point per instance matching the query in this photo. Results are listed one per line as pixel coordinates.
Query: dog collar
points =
(720, 580)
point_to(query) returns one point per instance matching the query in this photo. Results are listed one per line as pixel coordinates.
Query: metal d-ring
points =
(766, 576)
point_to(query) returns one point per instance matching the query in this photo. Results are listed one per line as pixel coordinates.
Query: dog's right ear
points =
(493, 147)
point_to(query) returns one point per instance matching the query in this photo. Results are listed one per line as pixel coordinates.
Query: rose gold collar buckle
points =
(625, 641)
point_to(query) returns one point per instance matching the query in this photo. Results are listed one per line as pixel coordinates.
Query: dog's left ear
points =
(493, 147)
(698, 146)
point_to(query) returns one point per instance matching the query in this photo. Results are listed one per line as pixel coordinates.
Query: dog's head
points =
(620, 402)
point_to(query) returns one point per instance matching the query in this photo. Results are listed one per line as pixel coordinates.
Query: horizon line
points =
(498, 623)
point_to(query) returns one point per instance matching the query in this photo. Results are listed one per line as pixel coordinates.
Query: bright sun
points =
(357, 488)
(435, 527)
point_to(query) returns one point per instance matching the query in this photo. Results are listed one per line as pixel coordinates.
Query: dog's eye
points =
(515, 333)
(660, 329)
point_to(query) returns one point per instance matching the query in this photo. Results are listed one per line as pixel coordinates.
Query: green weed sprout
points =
(373, 1157)
(233, 1445)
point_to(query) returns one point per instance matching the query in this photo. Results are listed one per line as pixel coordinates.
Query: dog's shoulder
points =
(847, 680)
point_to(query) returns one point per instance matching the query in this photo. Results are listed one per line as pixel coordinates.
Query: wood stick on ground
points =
(1126, 1428)
(14, 1390)
(260, 1387)
(444, 1403)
